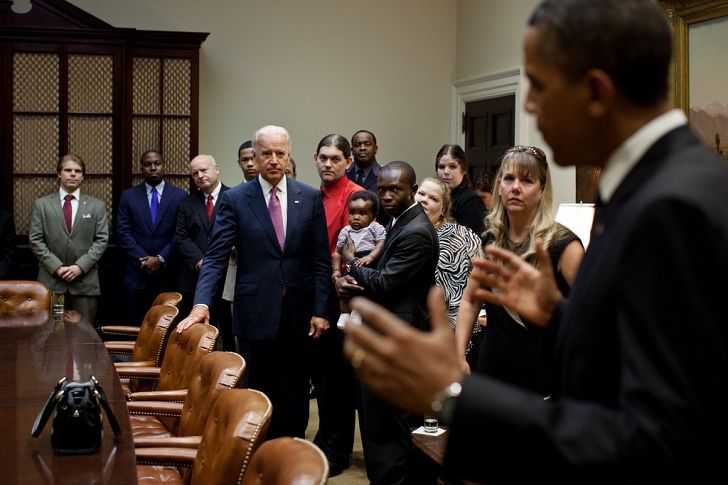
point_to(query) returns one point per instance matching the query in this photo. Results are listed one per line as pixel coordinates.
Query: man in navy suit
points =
(641, 345)
(195, 220)
(282, 281)
(145, 226)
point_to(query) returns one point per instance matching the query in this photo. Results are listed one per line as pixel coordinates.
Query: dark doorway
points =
(489, 127)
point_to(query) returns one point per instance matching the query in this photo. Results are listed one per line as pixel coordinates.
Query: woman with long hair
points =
(513, 349)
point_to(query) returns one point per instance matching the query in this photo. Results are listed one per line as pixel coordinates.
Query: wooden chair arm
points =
(176, 395)
(191, 442)
(166, 456)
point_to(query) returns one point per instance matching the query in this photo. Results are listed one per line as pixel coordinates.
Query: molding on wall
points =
(485, 86)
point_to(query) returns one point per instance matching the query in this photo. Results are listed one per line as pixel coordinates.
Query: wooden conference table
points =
(33, 357)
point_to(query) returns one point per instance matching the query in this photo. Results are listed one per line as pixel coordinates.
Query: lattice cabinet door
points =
(162, 112)
(62, 103)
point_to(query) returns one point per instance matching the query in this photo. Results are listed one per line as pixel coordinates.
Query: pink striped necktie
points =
(276, 216)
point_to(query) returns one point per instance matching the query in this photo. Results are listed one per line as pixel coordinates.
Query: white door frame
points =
(501, 83)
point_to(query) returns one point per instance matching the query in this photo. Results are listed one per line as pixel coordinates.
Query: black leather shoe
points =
(335, 469)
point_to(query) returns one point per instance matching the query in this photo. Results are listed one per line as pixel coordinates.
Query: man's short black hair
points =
(629, 40)
(374, 138)
(246, 144)
(367, 196)
(407, 173)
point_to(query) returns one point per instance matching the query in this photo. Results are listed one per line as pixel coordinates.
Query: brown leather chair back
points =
(219, 372)
(153, 334)
(182, 355)
(173, 298)
(24, 302)
(286, 460)
(237, 425)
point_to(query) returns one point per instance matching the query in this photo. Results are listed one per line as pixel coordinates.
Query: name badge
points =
(86, 216)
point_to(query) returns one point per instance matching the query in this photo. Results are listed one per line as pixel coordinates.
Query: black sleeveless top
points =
(520, 354)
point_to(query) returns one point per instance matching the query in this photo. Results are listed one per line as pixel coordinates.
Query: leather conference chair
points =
(24, 303)
(109, 332)
(236, 426)
(180, 362)
(218, 373)
(148, 348)
(287, 460)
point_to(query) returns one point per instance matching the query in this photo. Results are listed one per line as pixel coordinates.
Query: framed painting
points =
(699, 87)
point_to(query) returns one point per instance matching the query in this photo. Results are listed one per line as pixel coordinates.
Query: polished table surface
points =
(33, 357)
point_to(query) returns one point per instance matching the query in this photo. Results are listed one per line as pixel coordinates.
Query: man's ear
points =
(601, 92)
(414, 191)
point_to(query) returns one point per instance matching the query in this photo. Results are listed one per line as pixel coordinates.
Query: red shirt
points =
(336, 207)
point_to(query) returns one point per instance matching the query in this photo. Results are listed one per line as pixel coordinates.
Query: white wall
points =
(489, 35)
(315, 67)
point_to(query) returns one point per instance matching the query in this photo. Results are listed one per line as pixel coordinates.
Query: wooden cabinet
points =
(73, 83)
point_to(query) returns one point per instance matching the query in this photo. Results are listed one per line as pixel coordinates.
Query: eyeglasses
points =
(535, 151)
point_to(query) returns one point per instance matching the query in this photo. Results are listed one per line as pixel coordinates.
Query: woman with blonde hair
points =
(513, 349)
(458, 244)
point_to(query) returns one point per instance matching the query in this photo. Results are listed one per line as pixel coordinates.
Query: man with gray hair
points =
(195, 220)
(282, 282)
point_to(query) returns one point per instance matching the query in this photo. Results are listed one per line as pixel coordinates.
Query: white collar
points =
(266, 186)
(626, 156)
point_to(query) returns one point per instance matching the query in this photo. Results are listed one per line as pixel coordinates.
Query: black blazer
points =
(406, 270)
(641, 350)
(193, 234)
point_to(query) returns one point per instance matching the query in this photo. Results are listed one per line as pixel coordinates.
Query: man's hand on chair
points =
(199, 314)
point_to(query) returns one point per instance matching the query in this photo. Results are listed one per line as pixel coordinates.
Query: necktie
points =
(154, 204)
(276, 216)
(360, 176)
(68, 211)
(210, 206)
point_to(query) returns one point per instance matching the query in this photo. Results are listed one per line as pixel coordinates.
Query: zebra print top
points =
(458, 245)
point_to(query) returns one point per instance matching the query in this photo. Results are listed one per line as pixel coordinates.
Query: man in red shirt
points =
(334, 378)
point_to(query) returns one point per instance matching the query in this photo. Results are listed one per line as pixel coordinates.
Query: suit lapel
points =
(164, 202)
(56, 207)
(223, 188)
(144, 205)
(293, 207)
(82, 207)
(402, 221)
(256, 201)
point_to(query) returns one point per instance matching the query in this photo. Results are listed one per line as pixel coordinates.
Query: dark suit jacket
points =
(194, 231)
(370, 182)
(641, 350)
(265, 273)
(406, 270)
(138, 237)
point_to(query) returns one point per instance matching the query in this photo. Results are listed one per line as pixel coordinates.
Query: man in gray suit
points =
(69, 232)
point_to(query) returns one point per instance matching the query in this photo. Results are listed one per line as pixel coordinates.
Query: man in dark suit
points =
(282, 282)
(364, 171)
(145, 226)
(400, 283)
(195, 219)
(640, 346)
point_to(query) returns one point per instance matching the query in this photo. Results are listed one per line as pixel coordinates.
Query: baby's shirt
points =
(365, 239)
